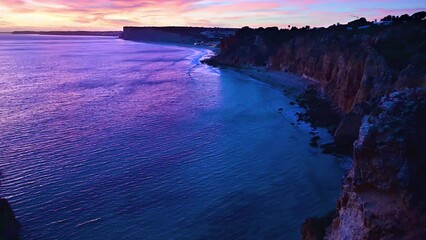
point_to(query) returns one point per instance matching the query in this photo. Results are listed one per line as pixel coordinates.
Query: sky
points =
(114, 14)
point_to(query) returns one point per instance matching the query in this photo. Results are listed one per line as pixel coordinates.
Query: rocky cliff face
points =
(376, 76)
(9, 226)
(383, 195)
(354, 68)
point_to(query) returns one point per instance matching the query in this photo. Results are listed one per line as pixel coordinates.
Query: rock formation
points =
(383, 195)
(9, 226)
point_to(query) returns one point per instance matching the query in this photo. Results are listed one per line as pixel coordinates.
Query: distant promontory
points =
(181, 35)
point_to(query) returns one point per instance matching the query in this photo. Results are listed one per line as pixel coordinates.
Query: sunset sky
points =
(113, 14)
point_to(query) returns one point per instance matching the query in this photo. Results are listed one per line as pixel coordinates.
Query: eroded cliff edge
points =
(383, 194)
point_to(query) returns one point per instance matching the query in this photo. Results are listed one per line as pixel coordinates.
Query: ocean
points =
(102, 138)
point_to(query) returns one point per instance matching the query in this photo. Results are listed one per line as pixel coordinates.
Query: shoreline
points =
(292, 86)
(379, 92)
(302, 114)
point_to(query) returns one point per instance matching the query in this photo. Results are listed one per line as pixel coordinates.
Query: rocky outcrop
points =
(9, 226)
(383, 195)
(347, 130)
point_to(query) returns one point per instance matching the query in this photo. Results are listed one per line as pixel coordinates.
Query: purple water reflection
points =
(106, 139)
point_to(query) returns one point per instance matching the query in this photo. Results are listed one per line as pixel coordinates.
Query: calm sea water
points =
(107, 139)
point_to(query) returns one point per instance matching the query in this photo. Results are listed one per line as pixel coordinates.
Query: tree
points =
(388, 18)
(419, 16)
(359, 22)
(405, 17)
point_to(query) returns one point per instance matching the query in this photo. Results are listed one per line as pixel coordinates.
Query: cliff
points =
(375, 76)
(353, 65)
(358, 68)
(383, 194)
(9, 226)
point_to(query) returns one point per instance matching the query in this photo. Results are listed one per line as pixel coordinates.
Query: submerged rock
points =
(320, 112)
(315, 228)
(9, 226)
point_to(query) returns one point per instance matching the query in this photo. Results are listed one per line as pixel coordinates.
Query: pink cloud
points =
(83, 14)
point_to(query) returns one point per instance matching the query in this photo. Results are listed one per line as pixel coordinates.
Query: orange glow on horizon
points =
(113, 14)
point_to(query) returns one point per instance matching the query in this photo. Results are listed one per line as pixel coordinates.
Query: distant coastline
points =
(72, 33)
